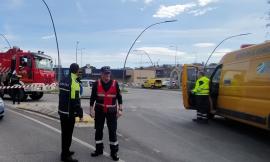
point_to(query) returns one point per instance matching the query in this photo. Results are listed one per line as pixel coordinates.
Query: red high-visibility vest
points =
(106, 99)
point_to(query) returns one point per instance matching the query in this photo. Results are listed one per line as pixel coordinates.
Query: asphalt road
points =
(155, 127)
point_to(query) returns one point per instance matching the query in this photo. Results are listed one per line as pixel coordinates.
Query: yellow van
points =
(152, 83)
(239, 86)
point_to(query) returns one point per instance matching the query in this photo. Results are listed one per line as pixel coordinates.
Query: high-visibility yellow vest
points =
(202, 86)
(75, 87)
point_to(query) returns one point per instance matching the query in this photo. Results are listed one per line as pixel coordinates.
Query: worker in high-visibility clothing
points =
(69, 108)
(201, 92)
(106, 103)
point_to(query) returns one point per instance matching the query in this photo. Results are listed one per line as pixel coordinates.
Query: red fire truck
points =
(35, 71)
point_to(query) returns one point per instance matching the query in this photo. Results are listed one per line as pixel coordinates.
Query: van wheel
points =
(1, 117)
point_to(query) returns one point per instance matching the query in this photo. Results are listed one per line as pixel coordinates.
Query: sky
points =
(106, 29)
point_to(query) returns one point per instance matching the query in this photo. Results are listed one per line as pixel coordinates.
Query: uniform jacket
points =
(69, 104)
(202, 86)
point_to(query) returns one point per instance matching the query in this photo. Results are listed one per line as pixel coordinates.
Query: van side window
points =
(192, 74)
(216, 77)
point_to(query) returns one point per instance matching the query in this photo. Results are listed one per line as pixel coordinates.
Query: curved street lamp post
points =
(162, 22)
(6, 40)
(56, 40)
(147, 54)
(220, 44)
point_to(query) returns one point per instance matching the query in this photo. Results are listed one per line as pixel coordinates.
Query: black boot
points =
(115, 156)
(70, 153)
(114, 150)
(98, 151)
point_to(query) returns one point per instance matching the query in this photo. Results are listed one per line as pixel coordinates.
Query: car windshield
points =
(44, 63)
(158, 81)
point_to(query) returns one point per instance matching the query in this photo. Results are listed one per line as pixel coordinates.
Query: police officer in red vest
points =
(108, 105)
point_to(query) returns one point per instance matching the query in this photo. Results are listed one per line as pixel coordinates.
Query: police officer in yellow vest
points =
(201, 92)
(69, 108)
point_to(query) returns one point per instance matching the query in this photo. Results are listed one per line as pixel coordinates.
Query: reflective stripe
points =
(111, 95)
(99, 142)
(103, 95)
(202, 94)
(63, 112)
(64, 89)
(114, 143)
(109, 106)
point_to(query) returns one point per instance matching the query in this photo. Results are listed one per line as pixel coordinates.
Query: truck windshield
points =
(44, 63)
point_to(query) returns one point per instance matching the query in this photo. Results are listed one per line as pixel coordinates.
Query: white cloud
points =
(48, 37)
(206, 2)
(221, 52)
(204, 45)
(172, 11)
(200, 12)
(129, 1)
(148, 1)
(160, 51)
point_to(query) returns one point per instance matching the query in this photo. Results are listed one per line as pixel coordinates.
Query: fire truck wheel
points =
(2, 93)
(36, 95)
(211, 115)
(23, 95)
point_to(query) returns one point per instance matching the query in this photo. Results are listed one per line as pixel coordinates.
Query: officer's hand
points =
(81, 119)
(119, 113)
(92, 112)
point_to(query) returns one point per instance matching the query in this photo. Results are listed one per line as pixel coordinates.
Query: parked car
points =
(2, 108)
(87, 88)
(166, 83)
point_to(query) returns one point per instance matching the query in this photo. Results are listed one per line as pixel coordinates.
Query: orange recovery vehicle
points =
(239, 86)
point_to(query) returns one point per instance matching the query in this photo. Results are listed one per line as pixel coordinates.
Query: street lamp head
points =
(246, 34)
(170, 21)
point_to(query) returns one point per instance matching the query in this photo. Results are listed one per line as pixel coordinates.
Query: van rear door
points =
(189, 77)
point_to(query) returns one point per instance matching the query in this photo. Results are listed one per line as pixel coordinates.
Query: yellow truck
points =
(152, 83)
(239, 86)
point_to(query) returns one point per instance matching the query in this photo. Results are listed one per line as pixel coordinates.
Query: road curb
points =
(85, 121)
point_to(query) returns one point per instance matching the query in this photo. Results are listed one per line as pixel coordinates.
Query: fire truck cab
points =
(35, 71)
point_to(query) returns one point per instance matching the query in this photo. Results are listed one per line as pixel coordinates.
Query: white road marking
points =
(58, 131)
(120, 135)
(41, 115)
(156, 150)
(78, 125)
